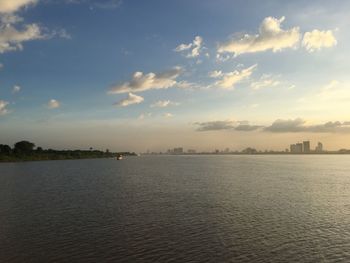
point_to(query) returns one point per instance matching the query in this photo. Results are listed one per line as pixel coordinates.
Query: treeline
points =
(27, 151)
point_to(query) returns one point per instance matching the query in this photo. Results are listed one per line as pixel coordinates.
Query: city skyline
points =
(304, 147)
(132, 75)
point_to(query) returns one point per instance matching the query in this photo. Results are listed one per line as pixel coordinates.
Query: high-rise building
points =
(299, 148)
(292, 148)
(319, 147)
(306, 146)
(179, 150)
(296, 148)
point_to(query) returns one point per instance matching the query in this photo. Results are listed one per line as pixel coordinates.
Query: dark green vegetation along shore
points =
(26, 151)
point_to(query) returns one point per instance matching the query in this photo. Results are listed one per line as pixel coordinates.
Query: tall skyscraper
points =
(306, 146)
(319, 147)
(299, 148)
(296, 148)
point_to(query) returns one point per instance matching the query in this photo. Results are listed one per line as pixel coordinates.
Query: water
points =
(177, 209)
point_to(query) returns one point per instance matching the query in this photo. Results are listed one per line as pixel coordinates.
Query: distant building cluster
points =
(178, 150)
(304, 147)
(297, 148)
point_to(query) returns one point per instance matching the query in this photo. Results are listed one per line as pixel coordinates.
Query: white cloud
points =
(16, 89)
(215, 74)
(142, 82)
(270, 37)
(10, 19)
(3, 109)
(131, 99)
(163, 104)
(300, 125)
(13, 33)
(222, 57)
(142, 116)
(194, 48)
(11, 39)
(11, 6)
(316, 40)
(264, 82)
(53, 104)
(230, 79)
(186, 85)
(168, 115)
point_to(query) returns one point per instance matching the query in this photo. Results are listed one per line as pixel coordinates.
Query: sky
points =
(132, 75)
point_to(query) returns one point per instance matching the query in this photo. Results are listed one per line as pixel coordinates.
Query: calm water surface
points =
(177, 209)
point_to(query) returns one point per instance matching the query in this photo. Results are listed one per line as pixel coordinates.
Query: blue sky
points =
(137, 75)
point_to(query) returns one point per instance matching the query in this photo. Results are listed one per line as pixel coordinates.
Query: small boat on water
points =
(119, 157)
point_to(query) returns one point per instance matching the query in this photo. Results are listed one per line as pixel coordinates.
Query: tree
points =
(5, 149)
(24, 147)
(39, 150)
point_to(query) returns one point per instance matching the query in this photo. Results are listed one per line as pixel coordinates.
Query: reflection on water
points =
(177, 209)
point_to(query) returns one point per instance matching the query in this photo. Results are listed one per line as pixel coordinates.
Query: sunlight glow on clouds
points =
(299, 125)
(10, 6)
(215, 74)
(230, 79)
(142, 82)
(265, 81)
(270, 36)
(163, 104)
(194, 48)
(11, 39)
(53, 104)
(131, 99)
(278, 126)
(3, 109)
(316, 40)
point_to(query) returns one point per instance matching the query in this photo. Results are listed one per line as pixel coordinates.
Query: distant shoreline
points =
(221, 154)
(66, 158)
(25, 151)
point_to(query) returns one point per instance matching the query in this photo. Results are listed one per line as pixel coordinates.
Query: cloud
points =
(131, 99)
(215, 74)
(317, 39)
(11, 6)
(242, 126)
(278, 126)
(13, 33)
(230, 79)
(142, 82)
(187, 85)
(16, 89)
(142, 116)
(299, 125)
(247, 127)
(53, 104)
(270, 37)
(222, 57)
(11, 39)
(215, 125)
(168, 115)
(265, 81)
(163, 104)
(3, 109)
(194, 48)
